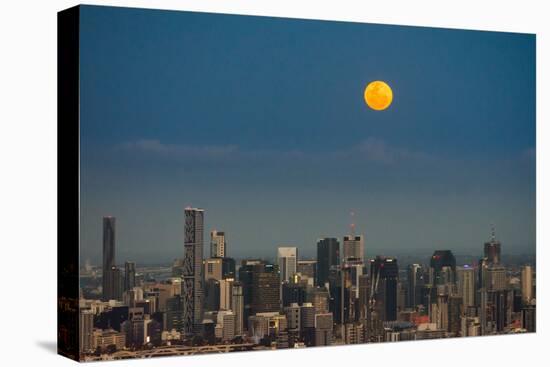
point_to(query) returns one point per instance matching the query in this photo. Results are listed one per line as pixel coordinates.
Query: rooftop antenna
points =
(493, 237)
(352, 223)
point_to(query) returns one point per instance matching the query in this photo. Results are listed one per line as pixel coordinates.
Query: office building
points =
(455, 312)
(466, 285)
(226, 293)
(384, 274)
(442, 268)
(225, 325)
(328, 255)
(217, 244)
(237, 306)
(307, 270)
(362, 309)
(129, 275)
(245, 272)
(529, 318)
(323, 329)
(211, 300)
(228, 268)
(108, 242)
(292, 313)
(491, 250)
(112, 288)
(266, 290)
(104, 339)
(86, 329)
(287, 258)
(134, 328)
(294, 292)
(496, 278)
(307, 323)
(174, 314)
(341, 295)
(265, 324)
(354, 248)
(213, 268)
(192, 287)
(354, 333)
(500, 302)
(415, 282)
(261, 288)
(319, 297)
(526, 284)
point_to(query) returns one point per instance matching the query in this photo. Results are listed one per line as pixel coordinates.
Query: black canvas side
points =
(68, 182)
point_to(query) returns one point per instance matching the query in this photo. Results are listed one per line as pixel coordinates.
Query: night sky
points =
(261, 121)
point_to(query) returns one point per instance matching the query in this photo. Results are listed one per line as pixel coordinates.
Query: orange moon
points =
(378, 95)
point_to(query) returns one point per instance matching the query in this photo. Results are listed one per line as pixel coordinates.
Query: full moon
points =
(378, 95)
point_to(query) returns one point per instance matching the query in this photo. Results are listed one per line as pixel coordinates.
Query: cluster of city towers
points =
(213, 304)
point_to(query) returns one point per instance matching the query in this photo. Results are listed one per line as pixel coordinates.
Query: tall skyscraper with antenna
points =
(491, 249)
(354, 245)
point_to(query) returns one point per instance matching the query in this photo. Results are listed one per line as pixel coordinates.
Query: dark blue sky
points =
(261, 121)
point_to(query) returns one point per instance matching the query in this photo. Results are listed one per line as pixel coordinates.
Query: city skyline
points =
(211, 305)
(453, 153)
(308, 251)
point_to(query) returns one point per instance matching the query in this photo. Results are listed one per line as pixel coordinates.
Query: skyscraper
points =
(526, 284)
(328, 255)
(384, 274)
(341, 295)
(228, 268)
(466, 285)
(454, 312)
(86, 329)
(226, 293)
(217, 244)
(442, 268)
(307, 323)
(246, 274)
(109, 280)
(237, 306)
(211, 295)
(114, 283)
(415, 282)
(501, 305)
(482, 273)
(287, 258)
(108, 242)
(362, 310)
(213, 268)
(129, 275)
(354, 248)
(192, 287)
(266, 290)
(496, 278)
(491, 250)
(307, 268)
(294, 291)
(261, 287)
(175, 317)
